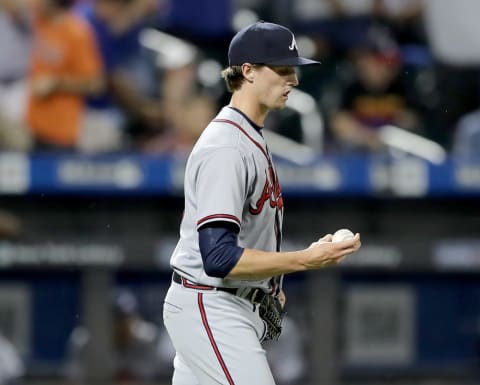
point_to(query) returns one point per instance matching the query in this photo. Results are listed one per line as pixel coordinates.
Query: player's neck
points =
(256, 112)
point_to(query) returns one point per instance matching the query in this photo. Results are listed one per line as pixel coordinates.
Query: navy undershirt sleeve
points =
(219, 248)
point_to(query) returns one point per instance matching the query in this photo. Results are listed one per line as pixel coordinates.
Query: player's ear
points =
(248, 72)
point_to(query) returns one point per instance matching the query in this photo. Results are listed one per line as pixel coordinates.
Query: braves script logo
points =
(271, 193)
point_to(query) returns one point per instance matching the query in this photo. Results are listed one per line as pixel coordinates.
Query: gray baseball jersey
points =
(229, 177)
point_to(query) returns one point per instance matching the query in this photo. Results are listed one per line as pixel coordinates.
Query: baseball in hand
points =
(342, 235)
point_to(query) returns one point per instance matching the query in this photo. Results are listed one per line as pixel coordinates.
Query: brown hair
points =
(233, 77)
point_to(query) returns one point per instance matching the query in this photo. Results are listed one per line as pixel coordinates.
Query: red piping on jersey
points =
(217, 216)
(185, 283)
(212, 340)
(264, 152)
(245, 133)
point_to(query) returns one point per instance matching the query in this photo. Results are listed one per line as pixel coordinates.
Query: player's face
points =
(274, 84)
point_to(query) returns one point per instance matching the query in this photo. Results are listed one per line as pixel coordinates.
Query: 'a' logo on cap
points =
(292, 46)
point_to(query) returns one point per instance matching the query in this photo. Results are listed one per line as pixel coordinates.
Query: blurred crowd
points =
(97, 76)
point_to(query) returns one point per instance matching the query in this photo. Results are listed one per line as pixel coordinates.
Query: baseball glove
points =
(271, 312)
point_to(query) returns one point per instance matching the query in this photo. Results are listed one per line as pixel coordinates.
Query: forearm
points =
(127, 93)
(407, 119)
(256, 264)
(349, 130)
(80, 86)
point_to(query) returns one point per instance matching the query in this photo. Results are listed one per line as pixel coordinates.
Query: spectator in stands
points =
(65, 68)
(375, 98)
(15, 40)
(187, 110)
(452, 28)
(141, 352)
(11, 365)
(336, 25)
(403, 18)
(131, 104)
(149, 107)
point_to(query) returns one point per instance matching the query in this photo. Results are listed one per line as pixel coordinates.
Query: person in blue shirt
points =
(131, 100)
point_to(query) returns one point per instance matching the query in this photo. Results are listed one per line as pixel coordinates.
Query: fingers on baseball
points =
(326, 238)
(337, 250)
(349, 246)
(352, 242)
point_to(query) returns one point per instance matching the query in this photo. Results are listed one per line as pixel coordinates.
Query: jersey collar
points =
(251, 122)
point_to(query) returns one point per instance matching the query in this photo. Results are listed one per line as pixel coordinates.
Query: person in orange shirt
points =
(65, 68)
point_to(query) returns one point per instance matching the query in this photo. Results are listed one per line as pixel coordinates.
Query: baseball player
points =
(228, 266)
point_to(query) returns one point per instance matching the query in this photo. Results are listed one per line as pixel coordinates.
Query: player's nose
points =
(293, 80)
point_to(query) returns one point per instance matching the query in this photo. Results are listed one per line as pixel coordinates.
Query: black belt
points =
(254, 295)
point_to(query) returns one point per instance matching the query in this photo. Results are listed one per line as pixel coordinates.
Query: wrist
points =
(302, 259)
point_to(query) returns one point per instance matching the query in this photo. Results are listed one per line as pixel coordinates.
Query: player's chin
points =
(280, 104)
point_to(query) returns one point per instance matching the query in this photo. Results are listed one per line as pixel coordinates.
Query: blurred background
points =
(100, 104)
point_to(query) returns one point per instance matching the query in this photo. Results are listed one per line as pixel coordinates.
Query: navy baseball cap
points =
(265, 43)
